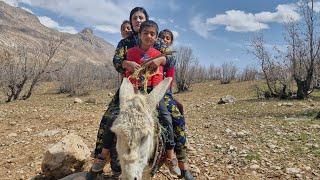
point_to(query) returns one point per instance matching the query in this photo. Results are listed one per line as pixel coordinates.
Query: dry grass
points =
(250, 139)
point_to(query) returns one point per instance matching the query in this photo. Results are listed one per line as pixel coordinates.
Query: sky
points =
(218, 31)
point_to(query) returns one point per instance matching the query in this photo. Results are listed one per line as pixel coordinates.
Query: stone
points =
(288, 104)
(276, 167)
(232, 148)
(226, 100)
(12, 135)
(254, 166)
(271, 146)
(293, 170)
(65, 157)
(228, 130)
(218, 146)
(194, 169)
(48, 133)
(27, 130)
(77, 100)
(91, 101)
(12, 123)
(242, 133)
(77, 176)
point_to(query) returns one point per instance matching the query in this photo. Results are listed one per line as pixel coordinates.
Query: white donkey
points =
(135, 129)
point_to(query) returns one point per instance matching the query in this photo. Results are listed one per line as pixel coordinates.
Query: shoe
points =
(116, 175)
(98, 164)
(185, 174)
(173, 166)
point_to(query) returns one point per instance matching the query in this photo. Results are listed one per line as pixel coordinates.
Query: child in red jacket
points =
(148, 35)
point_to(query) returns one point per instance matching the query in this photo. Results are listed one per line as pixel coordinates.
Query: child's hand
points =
(131, 65)
(154, 64)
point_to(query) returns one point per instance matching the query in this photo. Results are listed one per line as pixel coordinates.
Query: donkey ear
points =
(126, 90)
(158, 92)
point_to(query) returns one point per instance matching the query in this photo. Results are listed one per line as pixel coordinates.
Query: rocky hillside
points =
(21, 28)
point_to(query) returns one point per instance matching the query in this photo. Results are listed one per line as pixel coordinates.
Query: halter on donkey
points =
(135, 129)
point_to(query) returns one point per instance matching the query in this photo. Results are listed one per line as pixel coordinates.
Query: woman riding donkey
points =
(137, 16)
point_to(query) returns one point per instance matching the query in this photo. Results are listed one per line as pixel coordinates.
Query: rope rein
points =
(143, 73)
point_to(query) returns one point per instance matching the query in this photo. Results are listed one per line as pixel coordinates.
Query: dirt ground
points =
(248, 139)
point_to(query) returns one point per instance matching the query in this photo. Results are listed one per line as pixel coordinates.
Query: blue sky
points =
(217, 30)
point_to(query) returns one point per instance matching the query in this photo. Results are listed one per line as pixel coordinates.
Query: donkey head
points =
(134, 128)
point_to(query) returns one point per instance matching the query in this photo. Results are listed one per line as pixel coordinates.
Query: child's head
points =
(126, 30)
(167, 36)
(148, 33)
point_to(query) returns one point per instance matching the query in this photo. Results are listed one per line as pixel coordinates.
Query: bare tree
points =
(80, 78)
(22, 68)
(228, 74)
(304, 44)
(43, 62)
(214, 73)
(197, 73)
(275, 69)
(185, 60)
(249, 73)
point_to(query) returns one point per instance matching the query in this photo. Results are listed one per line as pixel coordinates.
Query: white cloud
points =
(107, 28)
(198, 26)
(11, 2)
(316, 6)
(53, 24)
(48, 22)
(285, 13)
(95, 12)
(237, 21)
(175, 34)
(15, 3)
(240, 21)
(162, 21)
(28, 10)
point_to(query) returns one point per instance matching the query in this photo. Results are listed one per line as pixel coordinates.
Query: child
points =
(125, 29)
(167, 36)
(148, 34)
(178, 120)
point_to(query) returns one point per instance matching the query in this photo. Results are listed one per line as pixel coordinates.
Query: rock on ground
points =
(65, 157)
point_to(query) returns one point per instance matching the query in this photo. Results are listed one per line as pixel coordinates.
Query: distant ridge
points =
(21, 28)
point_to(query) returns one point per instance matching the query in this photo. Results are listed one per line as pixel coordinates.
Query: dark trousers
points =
(166, 122)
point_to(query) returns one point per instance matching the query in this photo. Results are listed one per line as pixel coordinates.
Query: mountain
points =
(21, 28)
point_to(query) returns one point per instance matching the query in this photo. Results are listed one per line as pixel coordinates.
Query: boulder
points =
(65, 157)
(227, 99)
(88, 176)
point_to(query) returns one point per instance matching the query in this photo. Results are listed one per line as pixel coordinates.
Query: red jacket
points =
(139, 56)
